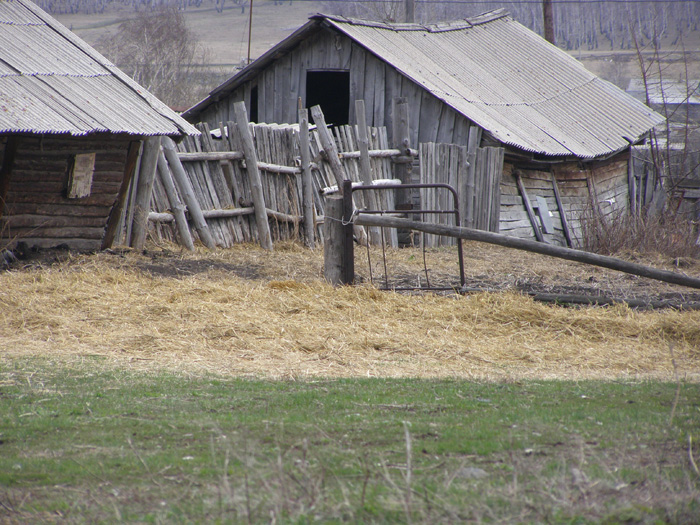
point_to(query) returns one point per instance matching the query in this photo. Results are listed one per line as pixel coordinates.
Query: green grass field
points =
(87, 442)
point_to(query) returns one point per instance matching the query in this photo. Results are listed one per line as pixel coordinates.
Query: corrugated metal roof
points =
(53, 82)
(507, 79)
(526, 92)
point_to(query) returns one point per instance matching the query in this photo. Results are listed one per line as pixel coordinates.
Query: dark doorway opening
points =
(254, 104)
(331, 91)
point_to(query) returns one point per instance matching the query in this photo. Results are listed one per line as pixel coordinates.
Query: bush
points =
(647, 233)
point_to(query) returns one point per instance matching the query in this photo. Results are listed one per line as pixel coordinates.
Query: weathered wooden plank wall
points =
(283, 83)
(478, 190)
(38, 211)
(605, 187)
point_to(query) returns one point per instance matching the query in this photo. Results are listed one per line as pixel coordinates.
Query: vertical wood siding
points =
(283, 83)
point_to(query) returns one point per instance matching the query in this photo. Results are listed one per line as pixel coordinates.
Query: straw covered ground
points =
(247, 312)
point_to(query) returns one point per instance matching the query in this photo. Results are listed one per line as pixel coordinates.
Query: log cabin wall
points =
(38, 210)
(280, 85)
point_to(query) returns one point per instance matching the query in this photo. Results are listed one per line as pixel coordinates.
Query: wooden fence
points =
(214, 188)
(477, 183)
(219, 175)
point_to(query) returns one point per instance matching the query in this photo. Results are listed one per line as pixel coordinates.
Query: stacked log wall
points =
(38, 211)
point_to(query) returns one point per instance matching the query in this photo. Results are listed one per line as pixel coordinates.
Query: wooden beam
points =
(307, 185)
(528, 208)
(183, 183)
(144, 190)
(329, 146)
(132, 157)
(560, 252)
(375, 234)
(562, 213)
(178, 210)
(251, 159)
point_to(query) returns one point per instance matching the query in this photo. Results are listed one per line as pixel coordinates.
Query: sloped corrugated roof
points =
(507, 79)
(53, 82)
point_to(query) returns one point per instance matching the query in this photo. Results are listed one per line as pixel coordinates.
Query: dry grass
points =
(288, 323)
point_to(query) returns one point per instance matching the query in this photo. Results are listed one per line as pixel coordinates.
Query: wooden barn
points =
(565, 133)
(71, 125)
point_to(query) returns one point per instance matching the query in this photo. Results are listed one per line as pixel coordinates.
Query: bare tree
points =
(159, 51)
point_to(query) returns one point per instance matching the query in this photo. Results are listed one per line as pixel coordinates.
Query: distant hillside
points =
(594, 32)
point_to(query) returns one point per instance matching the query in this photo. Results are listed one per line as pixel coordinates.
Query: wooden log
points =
(254, 175)
(227, 213)
(307, 184)
(178, 210)
(142, 204)
(164, 216)
(328, 146)
(528, 208)
(469, 186)
(115, 214)
(201, 156)
(284, 217)
(396, 155)
(333, 252)
(185, 187)
(401, 137)
(375, 234)
(278, 168)
(551, 250)
(562, 213)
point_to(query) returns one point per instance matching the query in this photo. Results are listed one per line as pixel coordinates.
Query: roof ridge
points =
(438, 27)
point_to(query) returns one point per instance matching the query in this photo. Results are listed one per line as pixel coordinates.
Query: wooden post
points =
(251, 160)
(410, 8)
(329, 147)
(307, 186)
(562, 214)
(333, 159)
(528, 207)
(132, 158)
(333, 260)
(348, 247)
(144, 190)
(365, 165)
(468, 207)
(548, 15)
(8, 161)
(183, 183)
(402, 142)
(176, 206)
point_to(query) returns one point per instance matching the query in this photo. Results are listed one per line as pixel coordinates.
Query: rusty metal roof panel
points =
(526, 92)
(53, 82)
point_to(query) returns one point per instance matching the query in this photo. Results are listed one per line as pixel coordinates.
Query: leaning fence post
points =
(251, 162)
(187, 192)
(144, 190)
(306, 180)
(176, 207)
(365, 166)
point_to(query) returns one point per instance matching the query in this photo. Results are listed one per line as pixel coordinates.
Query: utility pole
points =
(410, 8)
(548, 14)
